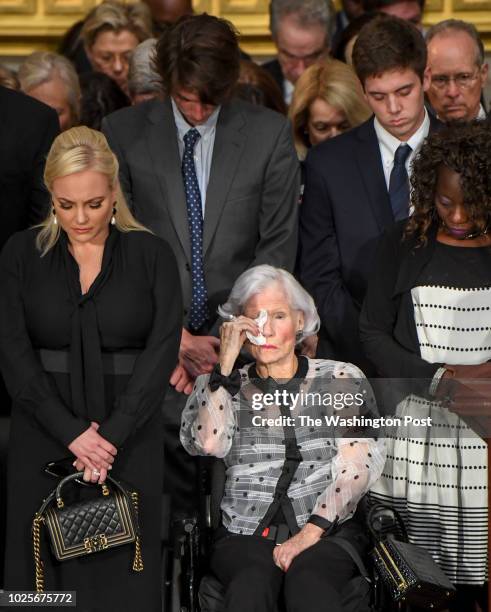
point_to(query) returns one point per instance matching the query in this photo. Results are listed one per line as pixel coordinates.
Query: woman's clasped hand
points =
(94, 454)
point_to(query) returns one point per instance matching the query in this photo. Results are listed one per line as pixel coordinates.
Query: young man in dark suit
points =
(218, 178)
(356, 185)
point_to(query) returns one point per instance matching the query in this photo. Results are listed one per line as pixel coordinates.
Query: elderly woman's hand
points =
(232, 337)
(284, 554)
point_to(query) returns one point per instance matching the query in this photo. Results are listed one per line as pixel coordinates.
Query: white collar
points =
(481, 114)
(389, 144)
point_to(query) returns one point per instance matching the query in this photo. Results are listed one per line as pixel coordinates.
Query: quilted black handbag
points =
(89, 526)
(408, 572)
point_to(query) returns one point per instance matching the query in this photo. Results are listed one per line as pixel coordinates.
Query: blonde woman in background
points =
(51, 78)
(90, 319)
(110, 33)
(328, 100)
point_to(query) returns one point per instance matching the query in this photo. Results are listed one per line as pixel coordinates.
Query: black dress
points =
(133, 307)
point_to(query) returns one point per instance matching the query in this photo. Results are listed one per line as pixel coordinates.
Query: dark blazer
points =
(345, 209)
(27, 129)
(387, 327)
(274, 69)
(252, 195)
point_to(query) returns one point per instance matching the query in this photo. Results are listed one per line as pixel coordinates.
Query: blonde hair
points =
(337, 84)
(43, 66)
(115, 16)
(76, 150)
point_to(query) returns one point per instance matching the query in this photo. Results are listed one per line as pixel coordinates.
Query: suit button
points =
(188, 267)
(185, 312)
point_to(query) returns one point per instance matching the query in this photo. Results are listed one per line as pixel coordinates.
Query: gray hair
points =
(41, 67)
(142, 78)
(306, 12)
(256, 279)
(457, 25)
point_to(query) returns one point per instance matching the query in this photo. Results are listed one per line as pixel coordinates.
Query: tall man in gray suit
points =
(217, 178)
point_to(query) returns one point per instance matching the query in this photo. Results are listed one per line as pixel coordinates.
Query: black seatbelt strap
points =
(293, 456)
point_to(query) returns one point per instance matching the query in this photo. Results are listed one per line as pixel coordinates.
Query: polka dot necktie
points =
(199, 309)
(399, 183)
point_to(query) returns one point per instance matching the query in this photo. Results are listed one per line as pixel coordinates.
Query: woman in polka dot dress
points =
(292, 476)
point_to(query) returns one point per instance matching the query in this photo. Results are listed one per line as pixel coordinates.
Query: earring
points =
(113, 218)
(298, 335)
(55, 220)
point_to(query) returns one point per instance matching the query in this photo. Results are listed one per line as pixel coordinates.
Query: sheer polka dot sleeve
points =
(357, 465)
(208, 421)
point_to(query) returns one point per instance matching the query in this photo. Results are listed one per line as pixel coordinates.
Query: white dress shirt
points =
(288, 89)
(481, 115)
(389, 144)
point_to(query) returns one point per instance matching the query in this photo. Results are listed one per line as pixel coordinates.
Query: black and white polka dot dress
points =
(439, 482)
(335, 467)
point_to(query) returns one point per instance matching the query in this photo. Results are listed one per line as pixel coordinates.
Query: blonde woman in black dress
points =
(89, 333)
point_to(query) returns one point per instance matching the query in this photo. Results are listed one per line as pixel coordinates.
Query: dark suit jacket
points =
(252, 195)
(27, 129)
(345, 209)
(274, 69)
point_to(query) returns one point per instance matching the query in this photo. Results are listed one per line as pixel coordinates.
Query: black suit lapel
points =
(227, 151)
(164, 152)
(369, 160)
(435, 124)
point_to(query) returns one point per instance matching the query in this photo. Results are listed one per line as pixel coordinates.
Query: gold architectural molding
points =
(21, 7)
(472, 5)
(68, 7)
(31, 25)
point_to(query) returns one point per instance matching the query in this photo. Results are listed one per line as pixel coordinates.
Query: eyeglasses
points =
(307, 59)
(463, 80)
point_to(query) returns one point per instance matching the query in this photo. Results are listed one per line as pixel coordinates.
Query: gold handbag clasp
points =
(95, 543)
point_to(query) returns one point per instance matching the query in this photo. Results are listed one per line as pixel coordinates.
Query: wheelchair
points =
(198, 590)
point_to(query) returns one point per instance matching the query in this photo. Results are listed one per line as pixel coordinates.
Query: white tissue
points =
(260, 321)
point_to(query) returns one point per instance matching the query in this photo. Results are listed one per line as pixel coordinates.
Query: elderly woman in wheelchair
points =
(298, 455)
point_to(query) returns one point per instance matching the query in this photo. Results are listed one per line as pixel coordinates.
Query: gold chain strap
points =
(36, 545)
(138, 559)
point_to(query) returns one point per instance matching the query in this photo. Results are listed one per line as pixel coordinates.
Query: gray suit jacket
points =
(252, 196)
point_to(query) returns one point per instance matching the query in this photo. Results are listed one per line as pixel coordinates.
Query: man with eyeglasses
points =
(457, 70)
(301, 30)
